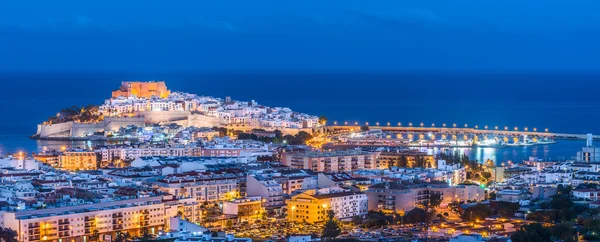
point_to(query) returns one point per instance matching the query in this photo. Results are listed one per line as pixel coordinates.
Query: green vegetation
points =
(477, 212)
(122, 237)
(507, 209)
(299, 139)
(322, 120)
(82, 114)
(435, 200)
(331, 229)
(8, 235)
(569, 218)
(532, 233)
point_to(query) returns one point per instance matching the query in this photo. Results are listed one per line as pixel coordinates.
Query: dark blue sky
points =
(149, 35)
(511, 62)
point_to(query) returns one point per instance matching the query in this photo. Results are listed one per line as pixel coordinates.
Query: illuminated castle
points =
(142, 90)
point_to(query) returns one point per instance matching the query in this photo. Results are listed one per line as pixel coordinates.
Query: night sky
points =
(149, 35)
(512, 62)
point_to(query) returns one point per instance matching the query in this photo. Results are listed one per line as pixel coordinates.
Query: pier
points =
(464, 131)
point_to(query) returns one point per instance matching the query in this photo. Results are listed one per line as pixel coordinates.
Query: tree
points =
(331, 228)
(416, 215)
(364, 128)
(95, 235)
(507, 209)
(435, 200)
(477, 212)
(532, 233)
(122, 237)
(357, 220)
(564, 232)
(145, 234)
(487, 175)
(322, 120)
(8, 235)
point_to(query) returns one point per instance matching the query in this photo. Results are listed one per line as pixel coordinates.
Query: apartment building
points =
(312, 207)
(407, 195)
(132, 153)
(268, 189)
(406, 158)
(204, 187)
(246, 209)
(337, 161)
(80, 223)
(78, 160)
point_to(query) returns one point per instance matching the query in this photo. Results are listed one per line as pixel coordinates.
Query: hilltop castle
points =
(142, 90)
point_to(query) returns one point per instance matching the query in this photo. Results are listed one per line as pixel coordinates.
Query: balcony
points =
(34, 238)
(119, 215)
(63, 222)
(117, 226)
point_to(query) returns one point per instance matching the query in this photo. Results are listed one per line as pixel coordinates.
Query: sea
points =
(563, 102)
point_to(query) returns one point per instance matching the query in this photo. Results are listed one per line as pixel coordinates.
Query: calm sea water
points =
(559, 151)
(562, 102)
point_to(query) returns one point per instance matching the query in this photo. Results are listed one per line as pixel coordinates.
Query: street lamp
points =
(454, 125)
(410, 124)
(293, 210)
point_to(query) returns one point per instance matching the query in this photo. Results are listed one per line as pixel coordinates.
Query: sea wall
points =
(75, 130)
(199, 120)
(85, 129)
(114, 123)
(78, 130)
(55, 130)
(163, 116)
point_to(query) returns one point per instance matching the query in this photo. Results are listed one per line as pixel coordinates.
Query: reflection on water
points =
(559, 151)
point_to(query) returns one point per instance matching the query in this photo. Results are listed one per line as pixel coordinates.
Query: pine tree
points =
(331, 229)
